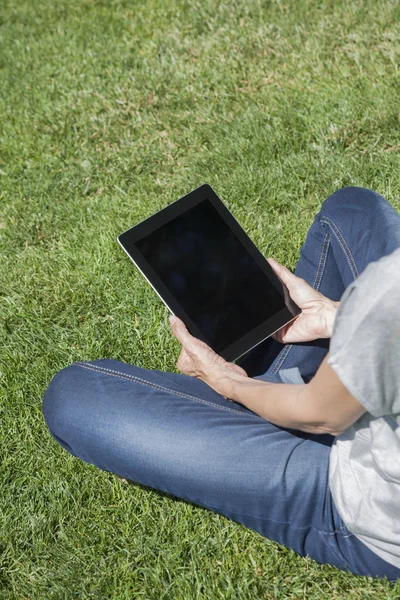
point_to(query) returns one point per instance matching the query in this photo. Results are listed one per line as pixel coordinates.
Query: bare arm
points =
(324, 405)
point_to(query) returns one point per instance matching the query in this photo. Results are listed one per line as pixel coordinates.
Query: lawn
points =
(110, 110)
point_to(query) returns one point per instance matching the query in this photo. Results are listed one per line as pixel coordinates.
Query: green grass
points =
(109, 110)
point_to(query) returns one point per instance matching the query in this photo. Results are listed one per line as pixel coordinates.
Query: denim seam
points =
(111, 372)
(322, 262)
(341, 239)
(322, 258)
(320, 531)
(135, 379)
(320, 271)
(339, 558)
(281, 358)
(220, 509)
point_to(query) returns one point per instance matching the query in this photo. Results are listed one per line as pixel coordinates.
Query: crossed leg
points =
(174, 433)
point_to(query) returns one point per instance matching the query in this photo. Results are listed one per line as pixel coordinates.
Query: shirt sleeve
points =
(365, 345)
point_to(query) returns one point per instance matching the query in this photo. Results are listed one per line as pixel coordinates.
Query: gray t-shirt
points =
(364, 469)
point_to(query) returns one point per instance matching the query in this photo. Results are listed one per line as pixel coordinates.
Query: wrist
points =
(226, 383)
(329, 317)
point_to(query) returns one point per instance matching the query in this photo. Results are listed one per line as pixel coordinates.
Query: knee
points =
(56, 405)
(352, 198)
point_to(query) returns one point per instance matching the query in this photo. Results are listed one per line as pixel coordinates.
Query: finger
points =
(299, 290)
(180, 332)
(283, 272)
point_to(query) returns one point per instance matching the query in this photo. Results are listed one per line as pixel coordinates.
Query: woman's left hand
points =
(199, 360)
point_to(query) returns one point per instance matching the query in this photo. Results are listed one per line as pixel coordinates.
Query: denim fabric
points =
(174, 433)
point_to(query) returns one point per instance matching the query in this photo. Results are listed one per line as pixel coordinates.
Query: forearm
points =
(283, 404)
(323, 405)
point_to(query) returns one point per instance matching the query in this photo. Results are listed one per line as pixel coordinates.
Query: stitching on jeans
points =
(320, 260)
(336, 531)
(323, 257)
(221, 510)
(133, 378)
(341, 239)
(340, 559)
(281, 358)
(320, 270)
(136, 379)
(319, 263)
(111, 372)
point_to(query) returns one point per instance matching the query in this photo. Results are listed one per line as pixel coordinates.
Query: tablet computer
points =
(209, 273)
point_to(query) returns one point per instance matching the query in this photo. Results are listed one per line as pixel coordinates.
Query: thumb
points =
(300, 291)
(179, 330)
(283, 272)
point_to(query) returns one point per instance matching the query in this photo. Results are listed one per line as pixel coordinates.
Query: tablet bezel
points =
(128, 239)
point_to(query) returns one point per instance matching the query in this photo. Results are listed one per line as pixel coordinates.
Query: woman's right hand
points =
(318, 312)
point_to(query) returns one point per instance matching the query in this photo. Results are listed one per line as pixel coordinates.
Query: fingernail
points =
(172, 319)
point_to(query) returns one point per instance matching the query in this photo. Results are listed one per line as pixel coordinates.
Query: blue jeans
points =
(172, 432)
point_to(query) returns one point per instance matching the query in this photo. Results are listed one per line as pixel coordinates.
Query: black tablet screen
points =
(211, 274)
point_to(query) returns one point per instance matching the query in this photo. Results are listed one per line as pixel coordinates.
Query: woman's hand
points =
(199, 360)
(318, 312)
